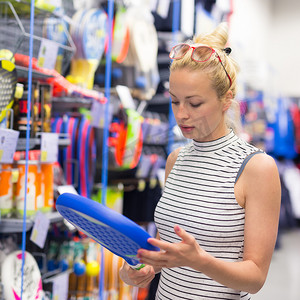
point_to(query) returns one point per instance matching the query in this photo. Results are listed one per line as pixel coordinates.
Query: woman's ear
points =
(227, 100)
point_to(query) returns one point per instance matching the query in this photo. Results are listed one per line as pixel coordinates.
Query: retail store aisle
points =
(284, 274)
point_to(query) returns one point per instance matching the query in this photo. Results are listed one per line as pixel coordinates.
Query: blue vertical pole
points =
(107, 96)
(27, 140)
(106, 130)
(175, 29)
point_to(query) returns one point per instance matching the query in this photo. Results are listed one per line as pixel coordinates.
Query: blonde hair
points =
(213, 68)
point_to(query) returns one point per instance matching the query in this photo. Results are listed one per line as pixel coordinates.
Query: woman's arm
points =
(261, 191)
(262, 194)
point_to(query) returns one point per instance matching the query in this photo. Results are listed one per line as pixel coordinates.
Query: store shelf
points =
(16, 225)
(70, 103)
(23, 73)
(21, 145)
(63, 141)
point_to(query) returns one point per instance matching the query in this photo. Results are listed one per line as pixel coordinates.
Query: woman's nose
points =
(181, 112)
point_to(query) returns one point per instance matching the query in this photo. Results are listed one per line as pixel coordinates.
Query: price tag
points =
(98, 114)
(125, 96)
(40, 229)
(8, 144)
(49, 147)
(47, 54)
(60, 286)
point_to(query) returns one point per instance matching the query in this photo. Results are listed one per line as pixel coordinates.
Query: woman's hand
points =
(140, 278)
(185, 253)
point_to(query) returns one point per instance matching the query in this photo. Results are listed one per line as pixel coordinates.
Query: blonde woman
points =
(218, 216)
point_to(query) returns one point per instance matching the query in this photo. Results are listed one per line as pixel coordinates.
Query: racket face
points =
(8, 82)
(109, 238)
(55, 31)
(94, 34)
(107, 227)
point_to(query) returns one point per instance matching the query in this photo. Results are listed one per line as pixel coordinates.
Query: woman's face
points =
(198, 111)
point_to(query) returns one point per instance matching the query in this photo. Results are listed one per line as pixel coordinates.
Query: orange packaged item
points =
(47, 186)
(34, 196)
(6, 189)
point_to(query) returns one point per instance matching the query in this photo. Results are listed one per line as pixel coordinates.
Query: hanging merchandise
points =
(126, 140)
(121, 35)
(142, 52)
(61, 86)
(116, 142)
(11, 277)
(134, 140)
(45, 109)
(295, 112)
(89, 32)
(55, 29)
(20, 111)
(69, 153)
(78, 159)
(8, 82)
(283, 127)
(86, 155)
(57, 127)
(155, 128)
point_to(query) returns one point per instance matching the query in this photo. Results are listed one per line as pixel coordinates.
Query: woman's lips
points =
(186, 129)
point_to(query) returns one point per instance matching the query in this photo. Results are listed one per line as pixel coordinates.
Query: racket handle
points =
(137, 267)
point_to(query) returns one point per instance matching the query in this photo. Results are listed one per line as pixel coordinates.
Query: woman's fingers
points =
(140, 278)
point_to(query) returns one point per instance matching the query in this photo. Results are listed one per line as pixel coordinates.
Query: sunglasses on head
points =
(199, 54)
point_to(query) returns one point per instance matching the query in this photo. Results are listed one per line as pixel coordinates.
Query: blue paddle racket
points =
(110, 229)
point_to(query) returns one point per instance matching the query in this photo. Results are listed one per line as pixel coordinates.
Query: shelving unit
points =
(70, 106)
(63, 141)
(13, 225)
(15, 30)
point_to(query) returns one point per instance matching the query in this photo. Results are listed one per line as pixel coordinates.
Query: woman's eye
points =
(195, 104)
(175, 102)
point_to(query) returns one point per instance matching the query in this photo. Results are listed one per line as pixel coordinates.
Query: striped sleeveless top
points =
(199, 197)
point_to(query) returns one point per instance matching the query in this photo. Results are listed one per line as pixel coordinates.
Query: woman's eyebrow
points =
(192, 96)
(171, 94)
(187, 97)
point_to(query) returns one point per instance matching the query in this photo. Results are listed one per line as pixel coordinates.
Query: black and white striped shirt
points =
(199, 197)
